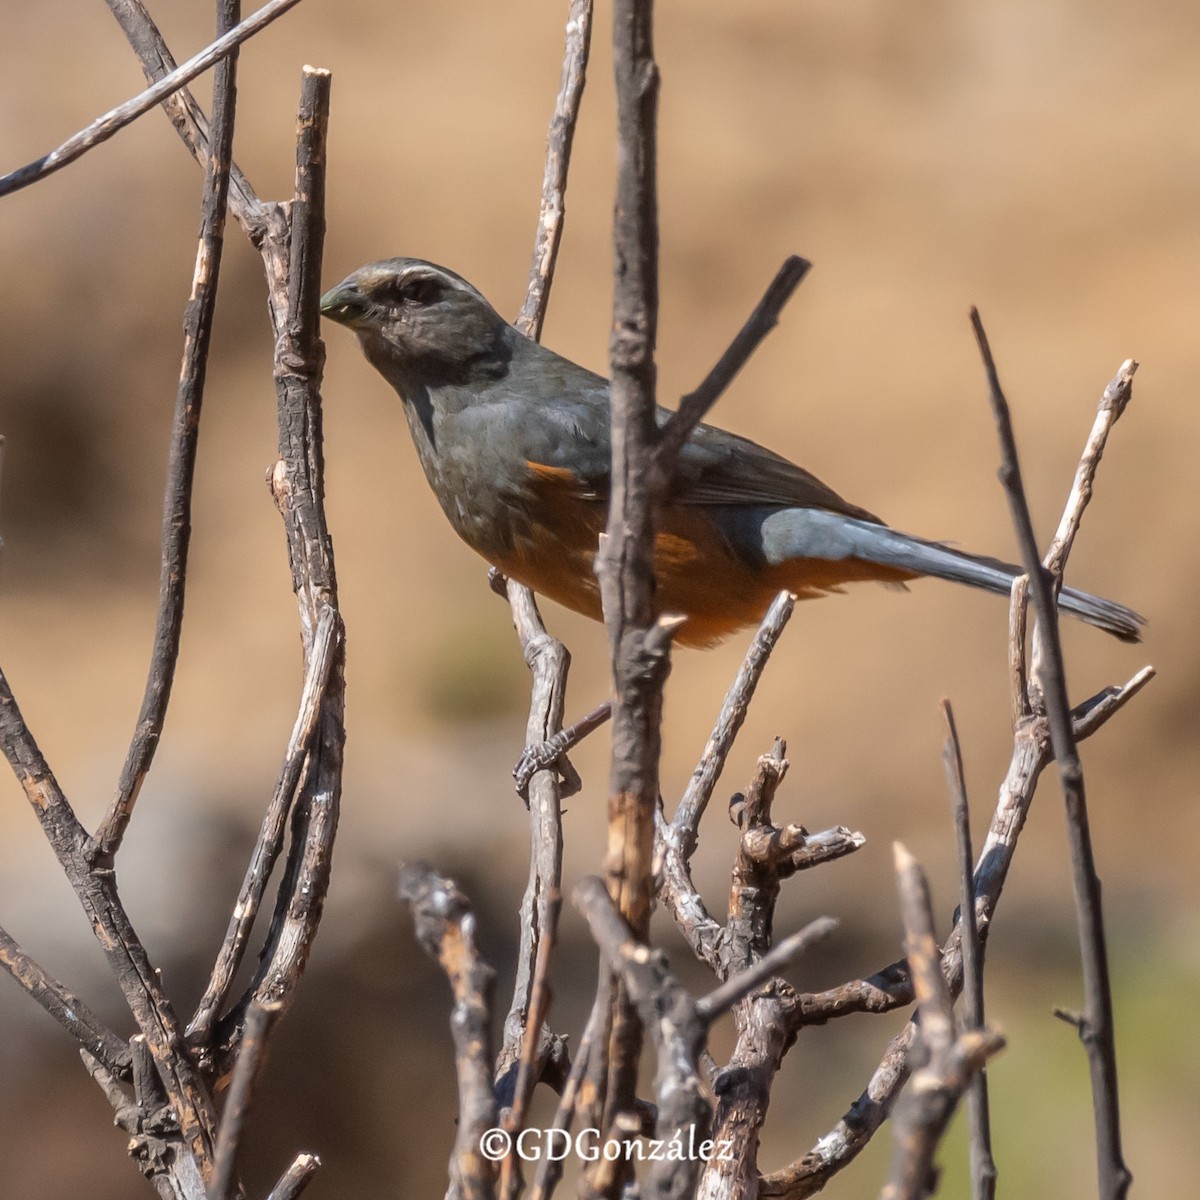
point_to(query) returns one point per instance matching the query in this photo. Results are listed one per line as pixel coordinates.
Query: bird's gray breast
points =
(475, 459)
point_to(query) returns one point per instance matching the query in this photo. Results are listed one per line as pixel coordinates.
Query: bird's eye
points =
(412, 292)
(422, 291)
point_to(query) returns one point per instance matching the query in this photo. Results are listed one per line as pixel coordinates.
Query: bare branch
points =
(595, 1036)
(742, 954)
(754, 886)
(526, 1040)
(766, 855)
(105, 1047)
(1097, 1036)
(558, 159)
(951, 1061)
(676, 840)
(693, 407)
(97, 894)
(181, 461)
(445, 927)
(259, 1019)
(296, 1178)
(729, 721)
(720, 1000)
(673, 1020)
(934, 1002)
(101, 129)
(625, 563)
(534, 1045)
(1113, 401)
(297, 482)
(266, 224)
(184, 112)
(66, 835)
(983, 1166)
(893, 986)
(934, 1096)
(270, 837)
(1018, 679)
(1092, 714)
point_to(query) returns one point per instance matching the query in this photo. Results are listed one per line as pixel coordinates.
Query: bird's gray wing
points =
(571, 431)
(718, 467)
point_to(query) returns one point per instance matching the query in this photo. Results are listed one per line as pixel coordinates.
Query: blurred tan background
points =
(1039, 160)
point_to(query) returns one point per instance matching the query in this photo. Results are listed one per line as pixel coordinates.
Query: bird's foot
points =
(553, 752)
(550, 753)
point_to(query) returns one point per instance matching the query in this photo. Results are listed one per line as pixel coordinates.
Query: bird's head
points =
(419, 322)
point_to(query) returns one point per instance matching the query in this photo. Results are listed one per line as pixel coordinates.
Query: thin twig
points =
(552, 211)
(1097, 1031)
(528, 1067)
(270, 837)
(595, 1034)
(445, 927)
(1018, 679)
(296, 1178)
(1094, 713)
(266, 224)
(101, 129)
(673, 1020)
(676, 840)
(1113, 402)
(951, 1060)
(297, 482)
(97, 893)
(625, 563)
(259, 1019)
(185, 437)
(755, 879)
(722, 999)
(546, 657)
(184, 112)
(693, 407)
(686, 821)
(983, 1166)
(111, 1051)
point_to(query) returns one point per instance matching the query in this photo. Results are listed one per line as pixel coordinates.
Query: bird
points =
(515, 442)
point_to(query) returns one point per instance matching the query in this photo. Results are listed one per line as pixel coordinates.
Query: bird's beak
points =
(344, 304)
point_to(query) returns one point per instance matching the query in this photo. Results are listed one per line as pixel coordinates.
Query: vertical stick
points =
(1095, 1025)
(983, 1166)
(626, 562)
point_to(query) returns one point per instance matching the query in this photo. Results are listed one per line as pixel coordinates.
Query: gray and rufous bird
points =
(515, 442)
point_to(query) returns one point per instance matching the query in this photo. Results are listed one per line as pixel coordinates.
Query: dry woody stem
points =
(170, 1113)
(101, 129)
(181, 463)
(1096, 1027)
(983, 1166)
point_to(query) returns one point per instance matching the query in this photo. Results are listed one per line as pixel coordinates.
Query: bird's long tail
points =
(836, 536)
